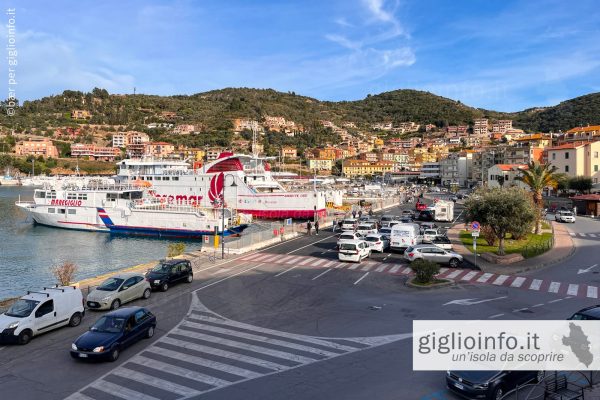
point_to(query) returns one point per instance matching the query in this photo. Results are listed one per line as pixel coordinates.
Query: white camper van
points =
(444, 211)
(40, 312)
(404, 235)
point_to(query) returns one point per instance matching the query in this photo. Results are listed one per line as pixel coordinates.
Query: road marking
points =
(535, 284)
(588, 269)
(469, 276)
(366, 267)
(395, 269)
(321, 261)
(228, 277)
(518, 282)
(555, 301)
(521, 309)
(124, 393)
(287, 270)
(454, 274)
(495, 316)
(361, 278)
(381, 268)
(270, 258)
(306, 261)
(354, 266)
(582, 234)
(485, 277)
(592, 235)
(385, 258)
(573, 289)
(340, 264)
(592, 292)
(442, 270)
(329, 264)
(537, 305)
(572, 234)
(155, 382)
(321, 274)
(308, 245)
(554, 287)
(406, 271)
(500, 280)
(470, 302)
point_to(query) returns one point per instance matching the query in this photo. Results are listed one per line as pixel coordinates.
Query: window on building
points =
(566, 155)
(566, 168)
(554, 156)
(595, 154)
(595, 168)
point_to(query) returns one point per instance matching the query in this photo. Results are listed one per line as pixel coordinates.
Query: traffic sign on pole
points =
(475, 226)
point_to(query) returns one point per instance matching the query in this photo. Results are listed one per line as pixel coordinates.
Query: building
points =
(170, 115)
(353, 167)
(456, 130)
(430, 171)
(501, 126)
(213, 154)
(240, 125)
(124, 139)
(582, 133)
(455, 169)
(480, 127)
(289, 152)
(80, 114)
(158, 149)
(587, 204)
(95, 152)
(184, 129)
(382, 126)
(430, 127)
(504, 175)
(155, 125)
(576, 159)
(369, 156)
(37, 147)
(320, 164)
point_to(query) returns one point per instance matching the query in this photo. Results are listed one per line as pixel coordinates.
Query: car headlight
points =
(106, 298)
(98, 349)
(73, 346)
(480, 386)
(13, 325)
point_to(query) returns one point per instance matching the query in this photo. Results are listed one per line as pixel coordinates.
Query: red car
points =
(421, 206)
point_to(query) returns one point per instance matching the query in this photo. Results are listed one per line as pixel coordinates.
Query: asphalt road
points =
(288, 323)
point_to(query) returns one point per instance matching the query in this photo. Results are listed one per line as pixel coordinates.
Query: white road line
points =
(500, 280)
(555, 301)
(395, 269)
(79, 396)
(385, 258)
(329, 264)
(389, 255)
(306, 261)
(582, 234)
(573, 289)
(592, 292)
(406, 271)
(321, 274)
(454, 274)
(537, 305)
(381, 268)
(572, 234)
(366, 267)
(287, 270)
(495, 316)
(285, 259)
(321, 261)
(308, 245)
(535, 284)
(340, 264)
(442, 270)
(120, 391)
(251, 257)
(270, 258)
(518, 282)
(155, 382)
(554, 287)
(186, 373)
(521, 309)
(485, 277)
(361, 278)
(228, 277)
(294, 259)
(469, 276)
(354, 266)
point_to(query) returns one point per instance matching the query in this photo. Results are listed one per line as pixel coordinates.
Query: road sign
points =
(475, 226)
(206, 239)
(475, 234)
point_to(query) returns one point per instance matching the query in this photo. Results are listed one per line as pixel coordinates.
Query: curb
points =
(448, 282)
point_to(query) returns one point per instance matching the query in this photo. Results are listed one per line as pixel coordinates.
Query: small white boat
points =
(8, 179)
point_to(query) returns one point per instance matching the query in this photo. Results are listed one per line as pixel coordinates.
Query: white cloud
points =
(343, 22)
(343, 41)
(376, 8)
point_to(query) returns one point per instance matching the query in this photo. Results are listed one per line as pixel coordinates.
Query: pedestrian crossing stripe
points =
(207, 352)
(594, 235)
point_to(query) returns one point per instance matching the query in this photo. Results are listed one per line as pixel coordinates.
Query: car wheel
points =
(24, 337)
(164, 287)
(147, 294)
(150, 332)
(498, 393)
(115, 304)
(75, 319)
(454, 262)
(190, 278)
(114, 355)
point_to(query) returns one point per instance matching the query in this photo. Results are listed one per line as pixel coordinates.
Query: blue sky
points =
(502, 55)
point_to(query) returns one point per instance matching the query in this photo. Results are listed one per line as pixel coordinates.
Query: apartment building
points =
(80, 114)
(36, 147)
(184, 129)
(353, 167)
(505, 175)
(289, 152)
(240, 125)
(501, 126)
(320, 164)
(158, 149)
(576, 159)
(456, 168)
(584, 133)
(369, 156)
(480, 127)
(95, 152)
(124, 139)
(430, 171)
(456, 130)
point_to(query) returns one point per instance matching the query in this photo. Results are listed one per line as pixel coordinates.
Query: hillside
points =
(214, 110)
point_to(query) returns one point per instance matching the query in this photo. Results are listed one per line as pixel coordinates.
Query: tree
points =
(64, 273)
(425, 271)
(502, 210)
(562, 182)
(538, 177)
(581, 184)
(175, 249)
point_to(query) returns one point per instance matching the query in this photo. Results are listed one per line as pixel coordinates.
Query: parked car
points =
(117, 290)
(378, 242)
(349, 236)
(349, 224)
(386, 219)
(113, 332)
(404, 235)
(429, 235)
(433, 253)
(420, 206)
(354, 250)
(427, 225)
(386, 231)
(168, 272)
(588, 313)
(565, 216)
(365, 229)
(41, 311)
(426, 215)
(489, 385)
(443, 242)
(408, 214)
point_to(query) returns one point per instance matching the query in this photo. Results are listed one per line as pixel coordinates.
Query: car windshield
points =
(409, 249)
(364, 227)
(346, 237)
(386, 218)
(22, 308)
(108, 324)
(110, 285)
(348, 222)
(401, 233)
(567, 214)
(162, 268)
(372, 239)
(430, 232)
(579, 316)
(347, 246)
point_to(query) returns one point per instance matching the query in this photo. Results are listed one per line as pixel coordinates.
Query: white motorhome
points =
(404, 235)
(40, 312)
(443, 211)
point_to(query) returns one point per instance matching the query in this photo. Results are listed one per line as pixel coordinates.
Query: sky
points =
(503, 55)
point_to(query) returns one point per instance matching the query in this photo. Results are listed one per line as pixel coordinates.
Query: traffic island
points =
(434, 284)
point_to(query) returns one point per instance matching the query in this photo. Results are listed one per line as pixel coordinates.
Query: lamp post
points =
(223, 213)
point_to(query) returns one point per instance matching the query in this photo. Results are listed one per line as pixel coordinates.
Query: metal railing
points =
(537, 390)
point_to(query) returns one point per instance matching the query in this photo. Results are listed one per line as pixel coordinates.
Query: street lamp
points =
(223, 213)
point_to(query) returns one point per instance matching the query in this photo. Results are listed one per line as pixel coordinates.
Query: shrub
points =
(489, 235)
(175, 249)
(64, 273)
(424, 271)
(519, 232)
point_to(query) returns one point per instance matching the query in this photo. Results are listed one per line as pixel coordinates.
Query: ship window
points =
(175, 178)
(52, 211)
(148, 178)
(157, 178)
(72, 211)
(71, 196)
(165, 178)
(82, 197)
(61, 210)
(40, 195)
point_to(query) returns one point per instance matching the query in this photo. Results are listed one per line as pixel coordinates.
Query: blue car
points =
(113, 332)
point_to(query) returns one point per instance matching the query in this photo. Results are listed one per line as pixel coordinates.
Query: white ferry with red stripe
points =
(255, 191)
(126, 210)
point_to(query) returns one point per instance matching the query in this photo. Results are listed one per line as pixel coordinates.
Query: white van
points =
(349, 224)
(40, 312)
(404, 235)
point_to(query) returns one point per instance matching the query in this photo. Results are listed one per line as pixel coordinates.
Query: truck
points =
(404, 235)
(444, 211)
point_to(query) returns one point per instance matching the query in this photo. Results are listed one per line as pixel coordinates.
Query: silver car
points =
(433, 253)
(117, 290)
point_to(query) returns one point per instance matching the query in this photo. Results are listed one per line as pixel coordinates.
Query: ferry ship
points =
(126, 210)
(255, 192)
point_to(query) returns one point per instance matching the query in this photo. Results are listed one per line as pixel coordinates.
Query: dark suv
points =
(167, 272)
(488, 385)
(588, 313)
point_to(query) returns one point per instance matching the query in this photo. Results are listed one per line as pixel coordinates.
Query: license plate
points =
(83, 355)
(156, 282)
(459, 386)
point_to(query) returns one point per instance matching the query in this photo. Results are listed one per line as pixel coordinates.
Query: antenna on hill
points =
(134, 91)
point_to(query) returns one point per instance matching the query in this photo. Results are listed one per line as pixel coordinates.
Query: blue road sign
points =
(475, 225)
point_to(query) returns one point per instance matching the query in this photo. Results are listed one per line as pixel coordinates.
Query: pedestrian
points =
(334, 225)
(370, 212)
(308, 228)
(359, 214)
(353, 214)
(317, 227)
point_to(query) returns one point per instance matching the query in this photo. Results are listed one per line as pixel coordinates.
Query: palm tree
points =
(538, 177)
